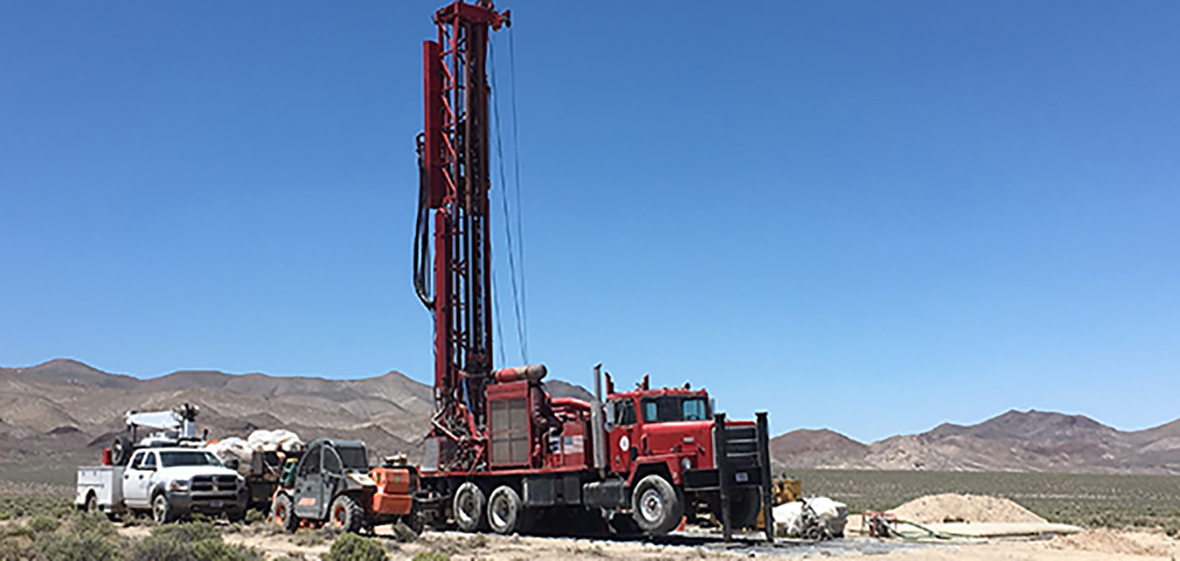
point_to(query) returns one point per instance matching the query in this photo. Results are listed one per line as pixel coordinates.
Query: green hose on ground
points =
(934, 536)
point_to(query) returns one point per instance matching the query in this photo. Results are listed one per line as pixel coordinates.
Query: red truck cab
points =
(670, 425)
(671, 433)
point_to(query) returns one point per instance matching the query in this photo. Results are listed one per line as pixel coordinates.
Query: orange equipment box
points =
(392, 481)
(392, 504)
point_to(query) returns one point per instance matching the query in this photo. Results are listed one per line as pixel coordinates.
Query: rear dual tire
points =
(505, 510)
(468, 507)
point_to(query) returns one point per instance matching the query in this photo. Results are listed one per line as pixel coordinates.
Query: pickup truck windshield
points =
(674, 408)
(188, 458)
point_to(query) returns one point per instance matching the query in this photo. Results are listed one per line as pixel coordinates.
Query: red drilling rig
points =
(502, 453)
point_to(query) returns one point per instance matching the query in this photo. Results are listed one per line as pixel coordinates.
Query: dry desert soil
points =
(1090, 545)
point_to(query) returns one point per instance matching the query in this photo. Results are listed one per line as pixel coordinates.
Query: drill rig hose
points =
(422, 267)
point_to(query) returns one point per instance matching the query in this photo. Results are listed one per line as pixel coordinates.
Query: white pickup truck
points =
(171, 483)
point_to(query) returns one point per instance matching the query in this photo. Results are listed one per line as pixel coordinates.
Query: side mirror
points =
(233, 464)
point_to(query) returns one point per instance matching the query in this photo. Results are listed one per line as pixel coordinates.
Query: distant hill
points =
(56, 415)
(1013, 441)
(63, 412)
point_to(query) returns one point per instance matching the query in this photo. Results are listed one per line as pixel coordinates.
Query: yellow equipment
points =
(782, 491)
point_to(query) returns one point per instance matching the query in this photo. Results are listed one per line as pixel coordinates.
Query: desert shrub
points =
(87, 537)
(351, 547)
(42, 524)
(17, 506)
(254, 516)
(19, 532)
(477, 541)
(306, 538)
(198, 541)
(430, 556)
(217, 550)
(17, 547)
(190, 532)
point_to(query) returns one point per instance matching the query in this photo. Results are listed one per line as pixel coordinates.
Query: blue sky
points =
(868, 216)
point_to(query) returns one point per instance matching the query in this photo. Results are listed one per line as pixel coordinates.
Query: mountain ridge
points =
(64, 410)
(1038, 441)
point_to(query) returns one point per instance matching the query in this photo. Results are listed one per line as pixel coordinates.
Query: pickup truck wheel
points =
(655, 505)
(346, 514)
(91, 503)
(161, 510)
(284, 514)
(504, 510)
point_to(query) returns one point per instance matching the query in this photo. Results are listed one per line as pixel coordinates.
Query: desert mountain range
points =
(1013, 441)
(58, 414)
(62, 412)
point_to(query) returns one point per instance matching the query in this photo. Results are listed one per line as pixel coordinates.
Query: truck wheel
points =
(744, 507)
(91, 503)
(284, 514)
(161, 510)
(655, 506)
(346, 514)
(504, 510)
(468, 507)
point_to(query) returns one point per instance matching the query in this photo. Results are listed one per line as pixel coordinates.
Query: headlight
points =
(179, 485)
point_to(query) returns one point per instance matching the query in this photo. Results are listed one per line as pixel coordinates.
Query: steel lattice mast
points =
(455, 175)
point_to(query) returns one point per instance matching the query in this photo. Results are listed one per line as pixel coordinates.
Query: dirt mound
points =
(949, 507)
(1106, 541)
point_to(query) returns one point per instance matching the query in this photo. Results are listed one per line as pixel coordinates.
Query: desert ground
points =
(1090, 545)
(25, 503)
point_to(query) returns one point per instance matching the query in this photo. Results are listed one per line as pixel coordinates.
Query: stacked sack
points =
(816, 518)
(280, 440)
(232, 449)
(258, 443)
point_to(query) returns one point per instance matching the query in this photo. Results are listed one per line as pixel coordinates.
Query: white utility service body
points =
(102, 486)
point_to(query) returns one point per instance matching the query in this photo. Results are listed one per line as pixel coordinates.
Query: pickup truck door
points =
(137, 478)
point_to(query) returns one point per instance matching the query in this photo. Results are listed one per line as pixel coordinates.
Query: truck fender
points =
(158, 488)
(667, 465)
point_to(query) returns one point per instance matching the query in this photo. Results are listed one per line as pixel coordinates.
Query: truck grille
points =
(214, 484)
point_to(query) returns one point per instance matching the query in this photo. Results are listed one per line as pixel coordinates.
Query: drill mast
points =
(453, 205)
